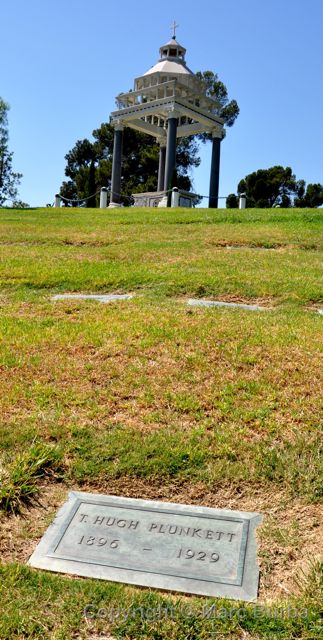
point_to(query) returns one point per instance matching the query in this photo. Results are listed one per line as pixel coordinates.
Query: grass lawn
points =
(152, 398)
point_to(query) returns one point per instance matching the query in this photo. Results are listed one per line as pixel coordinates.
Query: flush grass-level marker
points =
(154, 544)
(106, 297)
(195, 302)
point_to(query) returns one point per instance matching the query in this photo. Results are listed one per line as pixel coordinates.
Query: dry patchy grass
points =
(218, 407)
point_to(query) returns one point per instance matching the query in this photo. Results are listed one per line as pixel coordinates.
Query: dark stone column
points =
(161, 168)
(215, 174)
(116, 166)
(170, 152)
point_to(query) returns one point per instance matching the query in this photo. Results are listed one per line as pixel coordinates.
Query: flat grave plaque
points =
(155, 544)
(199, 302)
(99, 297)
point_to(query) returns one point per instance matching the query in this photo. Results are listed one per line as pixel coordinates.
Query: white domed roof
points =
(168, 66)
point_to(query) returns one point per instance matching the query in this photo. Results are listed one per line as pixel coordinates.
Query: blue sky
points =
(63, 63)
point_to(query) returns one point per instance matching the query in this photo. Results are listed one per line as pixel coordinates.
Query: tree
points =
(232, 201)
(68, 190)
(276, 186)
(229, 111)
(80, 168)
(311, 197)
(9, 180)
(20, 204)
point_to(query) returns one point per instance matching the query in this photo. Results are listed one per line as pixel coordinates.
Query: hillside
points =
(151, 397)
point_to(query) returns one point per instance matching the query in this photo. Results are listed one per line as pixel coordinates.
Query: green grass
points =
(19, 479)
(134, 389)
(65, 609)
(154, 392)
(168, 253)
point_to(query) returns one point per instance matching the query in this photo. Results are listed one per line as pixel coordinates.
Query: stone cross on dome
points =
(173, 28)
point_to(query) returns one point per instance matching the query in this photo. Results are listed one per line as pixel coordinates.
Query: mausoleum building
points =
(168, 102)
